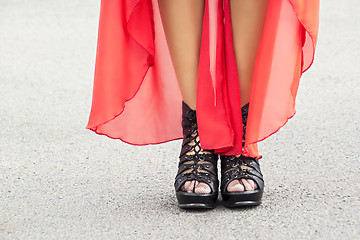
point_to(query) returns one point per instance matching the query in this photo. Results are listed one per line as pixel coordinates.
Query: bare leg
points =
(182, 20)
(248, 17)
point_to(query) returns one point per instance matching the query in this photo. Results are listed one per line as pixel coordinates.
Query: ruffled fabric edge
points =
(141, 41)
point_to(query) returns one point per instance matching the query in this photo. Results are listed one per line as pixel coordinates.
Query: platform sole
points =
(196, 200)
(242, 199)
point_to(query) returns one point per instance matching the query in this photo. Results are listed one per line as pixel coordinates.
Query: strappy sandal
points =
(237, 168)
(241, 167)
(198, 166)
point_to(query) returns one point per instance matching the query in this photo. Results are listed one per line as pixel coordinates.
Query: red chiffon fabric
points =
(136, 97)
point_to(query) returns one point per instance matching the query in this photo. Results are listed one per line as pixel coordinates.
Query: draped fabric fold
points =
(136, 97)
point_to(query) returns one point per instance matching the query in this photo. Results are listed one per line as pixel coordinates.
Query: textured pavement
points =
(60, 181)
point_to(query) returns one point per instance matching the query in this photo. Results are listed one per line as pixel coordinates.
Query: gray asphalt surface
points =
(60, 181)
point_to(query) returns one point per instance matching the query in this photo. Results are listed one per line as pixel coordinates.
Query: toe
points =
(191, 186)
(201, 187)
(235, 186)
(188, 186)
(252, 184)
(247, 185)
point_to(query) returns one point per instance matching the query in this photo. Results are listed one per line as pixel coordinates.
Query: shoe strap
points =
(198, 166)
(231, 169)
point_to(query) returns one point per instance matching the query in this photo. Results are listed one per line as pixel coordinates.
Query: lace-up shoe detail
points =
(238, 168)
(195, 164)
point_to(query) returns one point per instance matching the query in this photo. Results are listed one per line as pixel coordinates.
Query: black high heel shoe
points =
(199, 166)
(241, 167)
(237, 168)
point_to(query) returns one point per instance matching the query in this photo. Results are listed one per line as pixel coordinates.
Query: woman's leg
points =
(182, 20)
(247, 17)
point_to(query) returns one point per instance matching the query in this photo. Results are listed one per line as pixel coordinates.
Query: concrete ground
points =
(60, 181)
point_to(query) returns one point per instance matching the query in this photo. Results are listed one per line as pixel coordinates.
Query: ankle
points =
(190, 104)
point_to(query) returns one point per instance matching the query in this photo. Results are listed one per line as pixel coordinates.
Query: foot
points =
(198, 162)
(196, 186)
(242, 184)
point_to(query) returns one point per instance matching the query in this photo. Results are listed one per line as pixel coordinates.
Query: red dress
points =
(136, 97)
